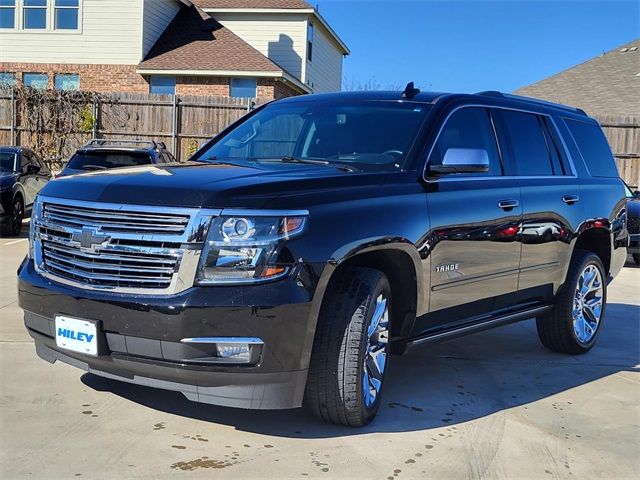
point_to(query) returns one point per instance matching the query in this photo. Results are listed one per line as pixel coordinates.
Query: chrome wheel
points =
(375, 358)
(587, 304)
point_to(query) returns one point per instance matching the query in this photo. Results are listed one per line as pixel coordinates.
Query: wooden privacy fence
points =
(186, 122)
(182, 122)
(623, 133)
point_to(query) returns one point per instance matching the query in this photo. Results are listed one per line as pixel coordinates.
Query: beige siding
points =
(110, 33)
(324, 72)
(157, 16)
(281, 37)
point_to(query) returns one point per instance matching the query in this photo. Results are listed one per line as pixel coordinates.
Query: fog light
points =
(236, 351)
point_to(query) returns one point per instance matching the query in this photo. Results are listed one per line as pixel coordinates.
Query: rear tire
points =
(573, 326)
(13, 226)
(351, 347)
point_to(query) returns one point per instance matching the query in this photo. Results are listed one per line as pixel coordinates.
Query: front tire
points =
(573, 326)
(351, 347)
(13, 226)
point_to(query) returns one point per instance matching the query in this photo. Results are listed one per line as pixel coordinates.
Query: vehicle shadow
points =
(24, 233)
(437, 385)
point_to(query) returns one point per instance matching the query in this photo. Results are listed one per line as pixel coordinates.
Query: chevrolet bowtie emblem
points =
(89, 239)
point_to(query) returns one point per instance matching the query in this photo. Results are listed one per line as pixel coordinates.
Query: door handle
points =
(508, 204)
(570, 199)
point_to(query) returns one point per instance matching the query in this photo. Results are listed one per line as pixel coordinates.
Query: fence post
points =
(94, 132)
(174, 132)
(13, 117)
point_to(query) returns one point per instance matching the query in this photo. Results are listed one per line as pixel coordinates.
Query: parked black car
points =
(105, 154)
(22, 175)
(319, 234)
(633, 223)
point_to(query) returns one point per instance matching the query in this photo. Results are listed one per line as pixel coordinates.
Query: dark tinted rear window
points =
(527, 144)
(594, 148)
(102, 160)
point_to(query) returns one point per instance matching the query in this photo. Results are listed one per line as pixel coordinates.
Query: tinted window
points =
(594, 148)
(367, 135)
(7, 162)
(468, 128)
(104, 160)
(526, 142)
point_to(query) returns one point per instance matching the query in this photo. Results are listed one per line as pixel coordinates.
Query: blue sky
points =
(467, 46)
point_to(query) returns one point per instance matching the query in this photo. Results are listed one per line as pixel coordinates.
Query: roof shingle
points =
(286, 4)
(605, 85)
(196, 41)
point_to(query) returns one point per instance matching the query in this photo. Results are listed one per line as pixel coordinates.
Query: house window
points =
(7, 13)
(36, 80)
(244, 87)
(67, 81)
(34, 14)
(162, 85)
(309, 41)
(66, 14)
(7, 79)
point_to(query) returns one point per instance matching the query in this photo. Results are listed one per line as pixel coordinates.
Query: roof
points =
(605, 85)
(258, 4)
(195, 41)
(264, 6)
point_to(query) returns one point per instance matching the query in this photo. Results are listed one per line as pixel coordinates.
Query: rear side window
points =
(594, 148)
(468, 127)
(104, 160)
(528, 147)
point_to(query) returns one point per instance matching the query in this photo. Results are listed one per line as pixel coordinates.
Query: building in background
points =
(261, 49)
(607, 87)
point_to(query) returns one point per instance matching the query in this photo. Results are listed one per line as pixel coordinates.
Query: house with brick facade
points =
(265, 49)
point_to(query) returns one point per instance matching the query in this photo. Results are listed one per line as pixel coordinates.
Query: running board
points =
(477, 327)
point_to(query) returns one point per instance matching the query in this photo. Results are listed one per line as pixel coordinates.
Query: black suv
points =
(22, 175)
(318, 235)
(104, 154)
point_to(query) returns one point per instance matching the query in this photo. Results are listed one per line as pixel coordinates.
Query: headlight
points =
(244, 249)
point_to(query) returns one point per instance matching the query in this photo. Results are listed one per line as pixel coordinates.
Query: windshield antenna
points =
(410, 91)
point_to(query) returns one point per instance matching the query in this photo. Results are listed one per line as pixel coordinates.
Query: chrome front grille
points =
(121, 248)
(115, 220)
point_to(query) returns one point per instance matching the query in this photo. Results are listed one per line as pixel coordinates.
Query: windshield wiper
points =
(290, 159)
(94, 167)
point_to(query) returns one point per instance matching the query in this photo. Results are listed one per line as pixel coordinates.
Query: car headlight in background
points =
(243, 249)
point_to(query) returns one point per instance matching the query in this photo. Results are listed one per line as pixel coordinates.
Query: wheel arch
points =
(597, 240)
(400, 261)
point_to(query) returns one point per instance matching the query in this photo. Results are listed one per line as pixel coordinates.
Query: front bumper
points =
(140, 336)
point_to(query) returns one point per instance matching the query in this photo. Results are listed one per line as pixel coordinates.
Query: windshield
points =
(104, 160)
(7, 162)
(369, 135)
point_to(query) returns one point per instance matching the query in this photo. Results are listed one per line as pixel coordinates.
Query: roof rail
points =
(493, 93)
(102, 142)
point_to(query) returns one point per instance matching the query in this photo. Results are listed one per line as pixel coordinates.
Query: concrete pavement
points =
(495, 405)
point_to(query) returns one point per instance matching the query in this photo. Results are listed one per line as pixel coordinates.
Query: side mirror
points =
(463, 160)
(636, 193)
(33, 169)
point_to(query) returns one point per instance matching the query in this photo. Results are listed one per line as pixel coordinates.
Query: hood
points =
(7, 179)
(195, 184)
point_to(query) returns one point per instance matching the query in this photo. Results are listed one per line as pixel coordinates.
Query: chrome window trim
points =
(428, 179)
